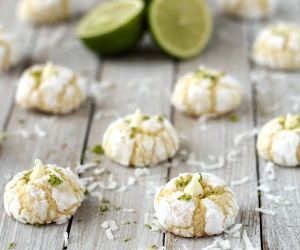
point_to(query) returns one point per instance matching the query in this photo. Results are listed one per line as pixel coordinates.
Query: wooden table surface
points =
(144, 79)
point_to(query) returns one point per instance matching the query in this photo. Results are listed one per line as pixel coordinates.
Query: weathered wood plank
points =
(130, 74)
(227, 51)
(62, 145)
(274, 96)
(8, 79)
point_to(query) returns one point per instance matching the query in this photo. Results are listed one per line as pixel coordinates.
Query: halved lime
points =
(182, 28)
(113, 26)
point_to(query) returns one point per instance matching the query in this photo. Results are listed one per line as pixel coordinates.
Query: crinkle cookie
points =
(195, 205)
(206, 92)
(9, 51)
(51, 88)
(278, 47)
(42, 12)
(44, 194)
(140, 140)
(251, 9)
(279, 140)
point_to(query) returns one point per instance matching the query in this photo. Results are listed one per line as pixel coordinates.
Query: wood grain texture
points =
(227, 51)
(144, 79)
(8, 79)
(275, 91)
(62, 145)
(130, 74)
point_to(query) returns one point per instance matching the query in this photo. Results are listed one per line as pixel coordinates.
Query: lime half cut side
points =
(182, 28)
(113, 26)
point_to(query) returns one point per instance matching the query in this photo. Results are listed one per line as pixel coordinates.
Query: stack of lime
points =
(181, 28)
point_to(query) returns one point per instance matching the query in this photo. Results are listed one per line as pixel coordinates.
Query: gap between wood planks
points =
(25, 64)
(172, 120)
(85, 143)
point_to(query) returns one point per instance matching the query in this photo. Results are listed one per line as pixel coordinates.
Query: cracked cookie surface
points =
(9, 51)
(40, 12)
(45, 194)
(140, 140)
(252, 9)
(278, 47)
(195, 205)
(206, 92)
(51, 88)
(279, 139)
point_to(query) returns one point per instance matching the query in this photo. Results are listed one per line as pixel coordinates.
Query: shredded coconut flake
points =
(245, 136)
(66, 239)
(111, 185)
(270, 171)
(82, 168)
(99, 171)
(194, 163)
(97, 194)
(263, 188)
(203, 121)
(84, 181)
(122, 189)
(39, 131)
(232, 155)
(131, 181)
(93, 186)
(183, 152)
(110, 226)
(139, 172)
(240, 182)
(128, 210)
(113, 225)
(224, 244)
(109, 234)
(23, 133)
(150, 219)
(206, 166)
(108, 113)
(214, 245)
(105, 225)
(248, 244)
(219, 164)
(234, 229)
(265, 211)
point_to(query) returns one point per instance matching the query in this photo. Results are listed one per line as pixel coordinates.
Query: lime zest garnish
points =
(184, 197)
(11, 245)
(54, 180)
(134, 131)
(183, 182)
(98, 149)
(233, 118)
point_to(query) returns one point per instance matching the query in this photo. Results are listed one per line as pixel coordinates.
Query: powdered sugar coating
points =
(214, 218)
(252, 9)
(195, 216)
(174, 213)
(46, 11)
(9, 49)
(152, 140)
(51, 88)
(278, 143)
(206, 91)
(278, 47)
(37, 201)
